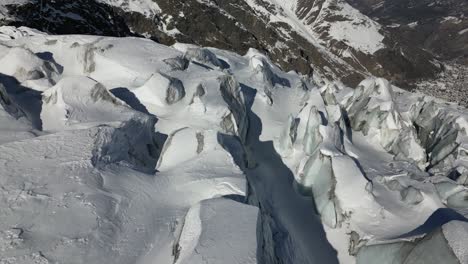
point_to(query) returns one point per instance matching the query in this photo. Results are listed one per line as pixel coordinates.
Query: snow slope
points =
(122, 150)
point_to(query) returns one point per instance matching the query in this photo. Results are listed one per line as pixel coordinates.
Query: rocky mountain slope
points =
(123, 150)
(330, 37)
(437, 26)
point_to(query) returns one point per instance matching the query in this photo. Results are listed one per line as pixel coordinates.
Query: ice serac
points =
(317, 137)
(262, 67)
(372, 110)
(203, 55)
(138, 144)
(442, 133)
(317, 179)
(178, 63)
(161, 90)
(323, 145)
(236, 122)
(312, 137)
(219, 231)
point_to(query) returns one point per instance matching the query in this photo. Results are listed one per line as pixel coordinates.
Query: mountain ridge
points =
(295, 34)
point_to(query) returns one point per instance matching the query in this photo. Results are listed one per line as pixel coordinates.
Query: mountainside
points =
(437, 26)
(123, 150)
(329, 37)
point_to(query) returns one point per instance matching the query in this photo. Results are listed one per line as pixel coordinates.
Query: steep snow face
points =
(123, 150)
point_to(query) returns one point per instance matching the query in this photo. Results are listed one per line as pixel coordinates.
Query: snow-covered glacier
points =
(122, 150)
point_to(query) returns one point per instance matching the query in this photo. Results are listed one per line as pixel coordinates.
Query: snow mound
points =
(80, 102)
(190, 140)
(24, 65)
(160, 90)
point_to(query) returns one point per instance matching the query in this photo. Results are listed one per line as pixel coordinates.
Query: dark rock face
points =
(59, 17)
(436, 26)
(298, 37)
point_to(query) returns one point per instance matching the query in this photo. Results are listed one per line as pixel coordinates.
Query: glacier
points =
(123, 150)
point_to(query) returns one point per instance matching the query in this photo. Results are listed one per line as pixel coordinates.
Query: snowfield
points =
(122, 150)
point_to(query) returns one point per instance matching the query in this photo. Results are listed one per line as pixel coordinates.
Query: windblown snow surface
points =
(122, 150)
